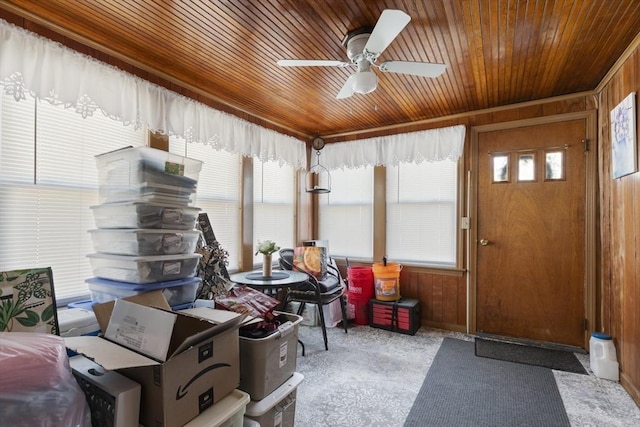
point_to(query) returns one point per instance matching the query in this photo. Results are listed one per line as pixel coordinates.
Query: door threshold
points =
(532, 343)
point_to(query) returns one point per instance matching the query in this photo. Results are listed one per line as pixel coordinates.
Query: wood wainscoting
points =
(442, 295)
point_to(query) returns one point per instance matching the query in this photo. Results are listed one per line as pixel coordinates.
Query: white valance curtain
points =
(31, 65)
(413, 147)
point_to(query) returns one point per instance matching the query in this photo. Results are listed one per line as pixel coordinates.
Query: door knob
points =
(484, 242)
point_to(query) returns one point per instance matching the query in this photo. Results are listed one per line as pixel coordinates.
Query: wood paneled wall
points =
(620, 234)
(443, 297)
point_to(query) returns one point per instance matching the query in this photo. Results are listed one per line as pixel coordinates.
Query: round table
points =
(279, 279)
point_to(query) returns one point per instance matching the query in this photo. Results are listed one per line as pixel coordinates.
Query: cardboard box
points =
(202, 360)
(399, 316)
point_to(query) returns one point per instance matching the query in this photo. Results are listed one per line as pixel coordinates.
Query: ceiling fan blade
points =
(422, 69)
(389, 25)
(347, 88)
(312, 63)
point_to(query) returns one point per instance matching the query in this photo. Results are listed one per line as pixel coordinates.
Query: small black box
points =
(401, 316)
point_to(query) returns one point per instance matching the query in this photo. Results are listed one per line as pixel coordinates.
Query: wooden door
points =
(530, 281)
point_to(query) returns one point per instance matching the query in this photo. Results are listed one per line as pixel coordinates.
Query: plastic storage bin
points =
(177, 292)
(248, 422)
(144, 173)
(227, 412)
(278, 409)
(145, 215)
(139, 269)
(74, 322)
(266, 363)
(144, 241)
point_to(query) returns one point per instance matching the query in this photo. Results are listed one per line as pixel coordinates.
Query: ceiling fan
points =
(363, 49)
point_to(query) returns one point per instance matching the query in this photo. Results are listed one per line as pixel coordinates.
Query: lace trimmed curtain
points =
(414, 147)
(31, 65)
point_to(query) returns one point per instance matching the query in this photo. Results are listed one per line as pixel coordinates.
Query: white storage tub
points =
(145, 215)
(279, 408)
(177, 292)
(138, 172)
(140, 241)
(248, 422)
(227, 412)
(147, 269)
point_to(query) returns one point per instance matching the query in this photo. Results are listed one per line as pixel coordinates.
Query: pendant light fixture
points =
(318, 179)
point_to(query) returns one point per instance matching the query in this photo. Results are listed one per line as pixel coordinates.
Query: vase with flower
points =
(266, 248)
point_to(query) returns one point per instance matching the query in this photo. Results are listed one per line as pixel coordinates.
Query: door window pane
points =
(526, 167)
(554, 165)
(500, 167)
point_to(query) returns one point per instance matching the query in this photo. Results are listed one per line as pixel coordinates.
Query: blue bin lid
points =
(601, 336)
(86, 305)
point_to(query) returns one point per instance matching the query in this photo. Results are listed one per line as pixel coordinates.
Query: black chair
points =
(316, 291)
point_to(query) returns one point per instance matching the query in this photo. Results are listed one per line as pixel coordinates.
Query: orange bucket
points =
(387, 281)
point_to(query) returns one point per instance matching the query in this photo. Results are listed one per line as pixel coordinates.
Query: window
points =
(527, 167)
(554, 165)
(218, 192)
(346, 214)
(421, 212)
(48, 181)
(500, 164)
(273, 204)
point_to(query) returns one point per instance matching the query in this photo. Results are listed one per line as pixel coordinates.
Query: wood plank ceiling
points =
(497, 52)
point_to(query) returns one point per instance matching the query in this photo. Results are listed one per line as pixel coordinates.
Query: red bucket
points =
(360, 309)
(361, 282)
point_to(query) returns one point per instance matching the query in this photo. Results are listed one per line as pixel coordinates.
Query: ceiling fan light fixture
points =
(364, 47)
(365, 82)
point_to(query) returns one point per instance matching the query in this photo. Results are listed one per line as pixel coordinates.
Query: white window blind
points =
(273, 204)
(346, 213)
(48, 181)
(218, 192)
(421, 212)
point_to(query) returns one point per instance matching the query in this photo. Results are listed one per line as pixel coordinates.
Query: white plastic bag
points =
(37, 387)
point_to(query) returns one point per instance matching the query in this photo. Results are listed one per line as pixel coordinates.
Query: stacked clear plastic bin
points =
(146, 236)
